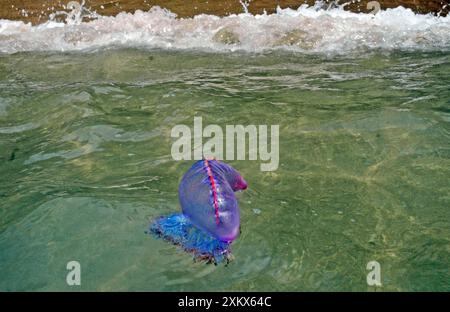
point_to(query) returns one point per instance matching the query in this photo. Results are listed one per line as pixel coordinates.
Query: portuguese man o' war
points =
(210, 220)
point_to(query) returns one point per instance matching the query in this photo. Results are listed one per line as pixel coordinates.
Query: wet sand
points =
(38, 11)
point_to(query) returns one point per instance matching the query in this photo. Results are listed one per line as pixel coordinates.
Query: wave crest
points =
(307, 29)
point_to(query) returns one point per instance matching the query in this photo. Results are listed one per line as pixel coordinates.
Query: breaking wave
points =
(307, 29)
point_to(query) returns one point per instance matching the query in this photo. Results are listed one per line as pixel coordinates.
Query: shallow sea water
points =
(85, 165)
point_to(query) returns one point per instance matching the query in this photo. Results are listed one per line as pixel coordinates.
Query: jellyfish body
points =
(207, 198)
(210, 214)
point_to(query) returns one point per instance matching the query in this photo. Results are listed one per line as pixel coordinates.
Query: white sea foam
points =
(309, 29)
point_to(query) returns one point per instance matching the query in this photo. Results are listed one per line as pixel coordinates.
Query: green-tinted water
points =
(85, 164)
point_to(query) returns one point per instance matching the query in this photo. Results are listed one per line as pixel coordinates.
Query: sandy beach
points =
(38, 11)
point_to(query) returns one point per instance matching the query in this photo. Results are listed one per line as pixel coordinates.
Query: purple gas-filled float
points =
(209, 221)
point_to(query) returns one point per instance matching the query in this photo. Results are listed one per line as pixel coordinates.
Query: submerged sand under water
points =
(364, 170)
